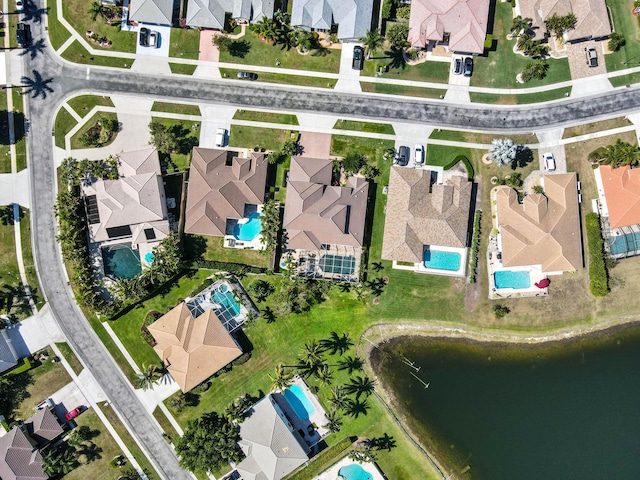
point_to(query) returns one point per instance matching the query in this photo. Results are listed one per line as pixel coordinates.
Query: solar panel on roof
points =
(150, 233)
(115, 232)
(91, 206)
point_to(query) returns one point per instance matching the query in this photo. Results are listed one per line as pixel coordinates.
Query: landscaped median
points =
(520, 98)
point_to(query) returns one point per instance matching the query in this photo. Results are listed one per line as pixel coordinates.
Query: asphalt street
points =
(60, 79)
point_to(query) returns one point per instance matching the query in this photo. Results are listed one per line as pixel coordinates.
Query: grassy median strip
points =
(83, 104)
(593, 127)
(520, 99)
(391, 89)
(27, 258)
(58, 33)
(180, 108)
(385, 128)
(268, 117)
(64, 124)
(165, 424)
(18, 127)
(628, 79)
(182, 68)
(78, 54)
(284, 78)
(5, 150)
(70, 357)
(476, 137)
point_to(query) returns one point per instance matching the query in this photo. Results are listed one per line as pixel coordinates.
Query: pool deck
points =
(230, 241)
(420, 268)
(332, 473)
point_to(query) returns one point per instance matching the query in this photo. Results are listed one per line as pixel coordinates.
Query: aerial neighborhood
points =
(317, 239)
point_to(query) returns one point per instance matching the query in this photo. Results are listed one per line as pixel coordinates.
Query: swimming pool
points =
(249, 230)
(299, 402)
(354, 472)
(121, 261)
(629, 242)
(442, 260)
(512, 279)
(229, 308)
(148, 257)
(338, 264)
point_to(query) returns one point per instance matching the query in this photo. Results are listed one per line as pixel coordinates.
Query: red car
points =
(73, 413)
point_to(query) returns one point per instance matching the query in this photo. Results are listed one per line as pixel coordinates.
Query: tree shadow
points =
(239, 48)
(34, 49)
(524, 156)
(13, 391)
(32, 12)
(36, 86)
(357, 407)
(385, 442)
(269, 315)
(398, 60)
(194, 247)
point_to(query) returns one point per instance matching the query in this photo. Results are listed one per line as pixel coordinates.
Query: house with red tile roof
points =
(619, 190)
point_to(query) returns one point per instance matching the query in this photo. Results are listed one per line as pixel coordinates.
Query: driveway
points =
(349, 78)
(34, 333)
(559, 155)
(208, 52)
(164, 41)
(315, 145)
(66, 399)
(576, 54)
(214, 118)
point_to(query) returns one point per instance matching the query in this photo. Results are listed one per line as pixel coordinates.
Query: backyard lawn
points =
(627, 24)
(254, 52)
(215, 251)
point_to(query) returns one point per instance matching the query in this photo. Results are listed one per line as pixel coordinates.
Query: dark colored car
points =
(23, 33)
(73, 413)
(592, 56)
(358, 57)
(468, 66)
(144, 37)
(404, 153)
(247, 76)
(457, 66)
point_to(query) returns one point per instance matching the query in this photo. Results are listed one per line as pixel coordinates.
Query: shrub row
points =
(237, 268)
(475, 244)
(598, 275)
(322, 461)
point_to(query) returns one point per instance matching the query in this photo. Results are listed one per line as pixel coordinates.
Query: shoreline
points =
(439, 331)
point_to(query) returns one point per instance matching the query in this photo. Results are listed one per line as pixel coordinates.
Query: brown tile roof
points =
(622, 193)
(220, 185)
(544, 229)
(193, 348)
(592, 16)
(139, 162)
(419, 214)
(464, 20)
(43, 426)
(317, 213)
(19, 458)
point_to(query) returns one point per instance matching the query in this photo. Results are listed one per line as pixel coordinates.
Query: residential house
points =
(156, 12)
(20, 457)
(224, 191)
(8, 356)
(592, 17)
(273, 447)
(132, 210)
(542, 230)
(212, 13)
(324, 224)
(619, 206)
(427, 215)
(351, 18)
(460, 26)
(193, 348)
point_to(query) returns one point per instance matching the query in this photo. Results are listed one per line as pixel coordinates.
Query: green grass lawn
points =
(165, 424)
(10, 27)
(27, 258)
(64, 123)
(76, 12)
(78, 54)
(522, 98)
(475, 137)
(627, 79)
(283, 78)
(250, 137)
(402, 90)
(625, 23)
(385, 128)
(58, 34)
(180, 108)
(596, 127)
(182, 68)
(181, 161)
(499, 68)
(21, 143)
(215, 251)
(260, 53)
(70, 357)
(185, 43)
(41, 382)
(442, 155)
(75, 139)
(429, 71)
(269, 117)
(5, 151)
(83, 104)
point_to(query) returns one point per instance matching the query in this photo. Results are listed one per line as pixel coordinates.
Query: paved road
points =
(67, 79)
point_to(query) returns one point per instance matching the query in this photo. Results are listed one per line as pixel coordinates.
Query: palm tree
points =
(336, 343)
(148, 376)
(281, 379)
(360, 386)
(334, 421)
(372, 41)
(265, 28)
(96, 10)
(525, 42)
(535, 69)
(339, 397)
(324, 375)
(520, 25)
(311, 354)
(56, 462)
(537, 50)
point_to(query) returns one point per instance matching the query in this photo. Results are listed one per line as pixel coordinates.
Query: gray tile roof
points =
(421, 213)
(272, 448)
(353, 17)
(211, 13)
(8, 355)
(43, 426)
(158, 12)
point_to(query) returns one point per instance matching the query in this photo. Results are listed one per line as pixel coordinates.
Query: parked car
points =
(419, 155)
(23, 34)
(592, 56)
(358, 57)
(73, 413)
(19, 6)
(144, 37)
(247, 76)
(403, 156)
(154, 39)
(549, 162)
(468, 66)
(457, 66)
(221, 137)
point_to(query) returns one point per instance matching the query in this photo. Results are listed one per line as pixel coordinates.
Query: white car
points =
(549, 162)
(419, 154)
(19, 6)
(154, 39)
(221, 137)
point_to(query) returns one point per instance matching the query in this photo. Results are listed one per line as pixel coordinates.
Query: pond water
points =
(562, 412)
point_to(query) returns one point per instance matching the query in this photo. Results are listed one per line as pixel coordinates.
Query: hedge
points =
(229, 267)
(322, 461)
(465, 161)
(598, 275)
(475, 243)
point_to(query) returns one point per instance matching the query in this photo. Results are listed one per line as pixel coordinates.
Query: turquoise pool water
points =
(224, 297)
(442, 260)
(121, 261)
(148, 257)
(299, 402)
(511, 279)
(629, 242)
(250, 230)
(338, 264)
(354, 472)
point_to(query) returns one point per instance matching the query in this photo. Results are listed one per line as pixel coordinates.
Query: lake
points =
(566, 411)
